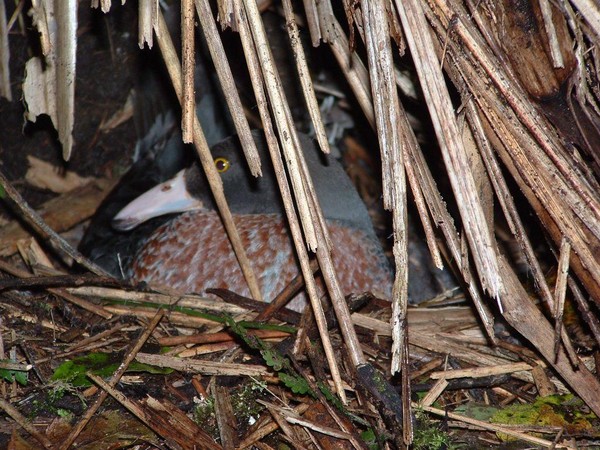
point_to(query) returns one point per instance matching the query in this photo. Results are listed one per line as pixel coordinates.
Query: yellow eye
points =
(222, 164)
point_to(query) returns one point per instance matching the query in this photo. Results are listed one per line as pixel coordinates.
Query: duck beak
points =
(169, 197)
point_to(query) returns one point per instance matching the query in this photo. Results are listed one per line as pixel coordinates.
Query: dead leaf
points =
(44, 175)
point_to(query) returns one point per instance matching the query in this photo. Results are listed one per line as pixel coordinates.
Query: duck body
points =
(210, 261)
(191, 252)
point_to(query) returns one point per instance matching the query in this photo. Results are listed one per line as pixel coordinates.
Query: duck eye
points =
(222, 164)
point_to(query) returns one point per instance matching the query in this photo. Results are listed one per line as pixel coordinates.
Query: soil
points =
(106, 56)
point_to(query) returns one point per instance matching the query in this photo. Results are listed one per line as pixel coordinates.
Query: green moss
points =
(429, 436)
(564, 411)
(204, 415)
(53, 393)
(244, 401)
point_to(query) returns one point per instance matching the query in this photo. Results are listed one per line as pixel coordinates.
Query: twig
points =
(60, 292)
(226, 419)
(77, 350)
(266, 429)
(63, 56)
(205, 338)
(560, 291)
(557, 59)
(36, 222)
(32, 282)
(204, 367)
(188, 60)
(7, 365)
(304, 75)
(467, 383)
(284, 314)
(478, 372)
(436, 390)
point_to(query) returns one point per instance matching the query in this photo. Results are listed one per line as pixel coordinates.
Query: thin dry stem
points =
(188, 62)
